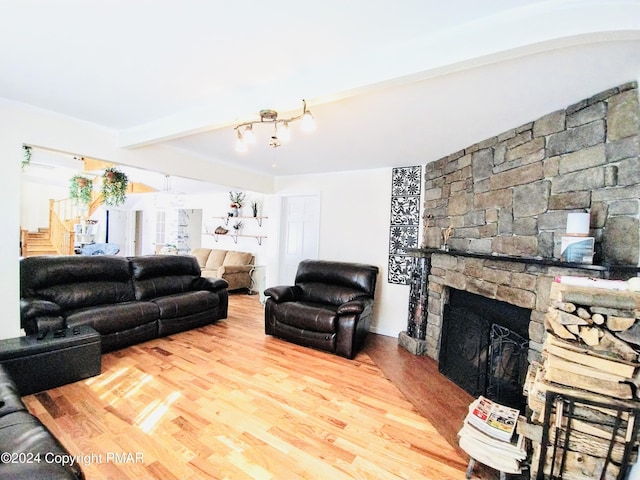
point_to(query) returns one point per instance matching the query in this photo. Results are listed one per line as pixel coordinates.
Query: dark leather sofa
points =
(328, 308)
(127, 300)
(29, 450)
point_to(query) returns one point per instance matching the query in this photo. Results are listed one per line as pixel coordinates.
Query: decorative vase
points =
(236, 211)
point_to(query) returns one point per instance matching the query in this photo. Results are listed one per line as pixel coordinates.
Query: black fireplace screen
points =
(482, 348)
(508, 362)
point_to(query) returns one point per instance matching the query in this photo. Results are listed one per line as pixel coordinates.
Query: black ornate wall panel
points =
(404, 221)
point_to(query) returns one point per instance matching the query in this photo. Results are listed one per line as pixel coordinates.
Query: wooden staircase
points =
(38, 243)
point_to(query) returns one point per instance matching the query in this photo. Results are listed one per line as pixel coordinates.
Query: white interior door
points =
(118, 231)
(300, 234)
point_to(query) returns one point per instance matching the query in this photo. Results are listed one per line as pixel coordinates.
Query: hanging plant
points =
(114, 187)
(27, 156)
(81, 189)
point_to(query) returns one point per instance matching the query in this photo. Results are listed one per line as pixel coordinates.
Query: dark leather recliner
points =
(31, 449)
(328, 308)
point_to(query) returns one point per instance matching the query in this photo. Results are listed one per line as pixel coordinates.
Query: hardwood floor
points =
(228, 402)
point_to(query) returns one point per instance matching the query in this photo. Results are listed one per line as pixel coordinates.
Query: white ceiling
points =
(390, 83)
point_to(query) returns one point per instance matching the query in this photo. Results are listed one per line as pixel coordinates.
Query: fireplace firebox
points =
(484, 347)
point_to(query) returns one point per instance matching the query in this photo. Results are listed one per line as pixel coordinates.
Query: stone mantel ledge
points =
(602, 270)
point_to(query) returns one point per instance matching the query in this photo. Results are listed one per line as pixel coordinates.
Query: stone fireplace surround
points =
(506, 200)
(521, 282)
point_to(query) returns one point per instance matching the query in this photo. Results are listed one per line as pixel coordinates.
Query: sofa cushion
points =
(183, 304)
(305, 316)
(354, 276)
(21, 432)
(10, 400)
(216, 257)
(202, 254)
(114, 318)
(158, 275)
(238, 258)
(43, 272)
(88, 293)
(331, 294)
(161, 286)
(151, 266)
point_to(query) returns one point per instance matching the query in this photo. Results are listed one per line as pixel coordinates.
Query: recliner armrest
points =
(209, 283)
(354, 307)
(283, 293)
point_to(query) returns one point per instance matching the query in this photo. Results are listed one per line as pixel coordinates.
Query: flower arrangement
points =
(236, 199)
(114, 187)
(81, 189)
(236, 202)
(237, 226)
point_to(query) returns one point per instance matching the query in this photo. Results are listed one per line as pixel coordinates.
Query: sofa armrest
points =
(209, 283)
(283, 293)
(36, 307)
(39, 316)
(234, 269)
(35, 311)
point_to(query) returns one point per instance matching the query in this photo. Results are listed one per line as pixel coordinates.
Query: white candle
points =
(578, 224)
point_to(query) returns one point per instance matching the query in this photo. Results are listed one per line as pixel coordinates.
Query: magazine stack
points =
(488, 435)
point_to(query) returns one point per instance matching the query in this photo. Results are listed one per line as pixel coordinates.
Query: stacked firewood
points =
(591, 351)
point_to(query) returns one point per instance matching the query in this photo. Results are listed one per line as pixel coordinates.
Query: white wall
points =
(34, 201)
(10, 159)
(354, 227)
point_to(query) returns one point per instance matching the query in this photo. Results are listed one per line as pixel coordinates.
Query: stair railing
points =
(62, 215)
(24, 242)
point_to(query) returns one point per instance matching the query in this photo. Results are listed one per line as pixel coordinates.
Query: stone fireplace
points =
(504, 204)
(523, 283)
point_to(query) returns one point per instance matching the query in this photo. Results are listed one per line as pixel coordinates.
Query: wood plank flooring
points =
(228, 402)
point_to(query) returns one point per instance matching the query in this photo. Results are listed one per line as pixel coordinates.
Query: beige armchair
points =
(234, 267)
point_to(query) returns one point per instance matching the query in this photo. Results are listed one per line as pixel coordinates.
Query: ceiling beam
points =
(509, 34)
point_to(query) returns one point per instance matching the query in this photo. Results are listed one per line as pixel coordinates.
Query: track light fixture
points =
(281, 129)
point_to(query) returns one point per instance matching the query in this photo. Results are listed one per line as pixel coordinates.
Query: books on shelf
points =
(488, 436)
(498, 421)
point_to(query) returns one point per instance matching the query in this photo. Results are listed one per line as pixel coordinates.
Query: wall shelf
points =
(227, 218)
(235, 237)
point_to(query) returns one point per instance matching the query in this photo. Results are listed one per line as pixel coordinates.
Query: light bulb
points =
(275, 142)
(284, 132)
(241, 145)
(249, 137)
(308, 123)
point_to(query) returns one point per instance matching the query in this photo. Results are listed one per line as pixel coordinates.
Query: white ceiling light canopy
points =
(281, 133)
